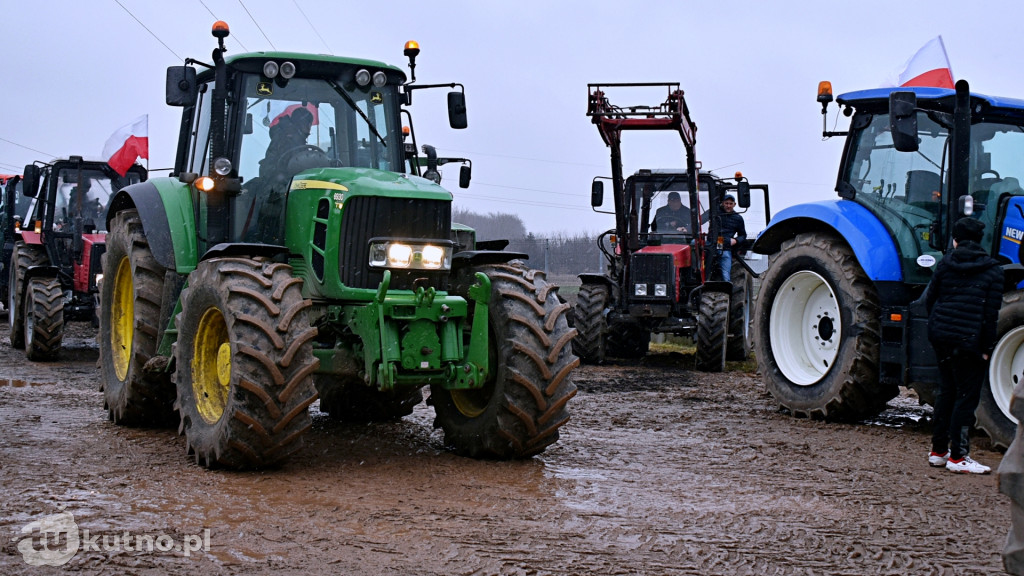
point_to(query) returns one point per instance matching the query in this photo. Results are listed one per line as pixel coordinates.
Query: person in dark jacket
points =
(963, 301)
(674, 217)
(733, 232)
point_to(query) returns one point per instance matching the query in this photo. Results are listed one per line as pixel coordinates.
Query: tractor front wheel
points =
(244, 363)
(23, 257)
(521, 406)
(591, 323)
(130, 297)
(1005, 372)
(712, 331)
(817, 331)
(44, 319)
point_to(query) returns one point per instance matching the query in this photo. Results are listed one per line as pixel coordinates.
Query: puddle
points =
(23, 383)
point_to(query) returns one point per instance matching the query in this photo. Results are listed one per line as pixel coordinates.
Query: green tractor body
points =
(296, 253)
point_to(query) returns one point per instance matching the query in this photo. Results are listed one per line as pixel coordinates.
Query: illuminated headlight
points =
(287, 70)
(640, 290)
(392, 254)
(660, 290)
(270, 69)
(222, 166)
(363, 77)
(379, 79)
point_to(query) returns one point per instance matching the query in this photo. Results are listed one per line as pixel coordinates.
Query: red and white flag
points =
(928, 67)
(127, 144)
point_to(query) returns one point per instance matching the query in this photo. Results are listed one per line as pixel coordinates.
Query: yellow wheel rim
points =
(211, 366)
(122, 318)
(472, 403)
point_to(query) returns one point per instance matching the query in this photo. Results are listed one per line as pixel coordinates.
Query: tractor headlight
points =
(270, 69)
(363, 77)
(640, 290)
(410, 255)
(379, 79)
(287, 70)
(660, 290)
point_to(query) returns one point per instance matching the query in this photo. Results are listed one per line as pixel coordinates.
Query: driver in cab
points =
(673, 218)
(286, 133)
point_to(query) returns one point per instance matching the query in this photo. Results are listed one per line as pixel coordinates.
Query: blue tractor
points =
(838, 328)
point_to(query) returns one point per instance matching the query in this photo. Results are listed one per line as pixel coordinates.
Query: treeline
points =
(556, 253)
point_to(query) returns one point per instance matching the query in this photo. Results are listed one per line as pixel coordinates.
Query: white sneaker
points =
(967, 466)
(935, 459)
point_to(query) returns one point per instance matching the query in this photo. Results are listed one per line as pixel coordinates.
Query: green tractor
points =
(295, 254)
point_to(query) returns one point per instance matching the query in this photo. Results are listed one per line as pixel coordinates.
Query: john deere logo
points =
(264, 89)
(376, 97)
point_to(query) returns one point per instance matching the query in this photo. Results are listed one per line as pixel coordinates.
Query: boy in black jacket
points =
(963, 300)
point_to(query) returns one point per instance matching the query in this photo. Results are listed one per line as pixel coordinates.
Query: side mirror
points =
(597, 193)
(457, 110)
(181, 86)
(903, 121)
(465, 173)
(743, 194)
(30, 181)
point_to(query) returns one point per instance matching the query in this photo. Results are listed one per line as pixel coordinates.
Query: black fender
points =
(145, 198)
(227, 249)
(1013, 274)
(484, 257)
(41, 272)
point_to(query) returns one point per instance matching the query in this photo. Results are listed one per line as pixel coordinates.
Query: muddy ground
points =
(660, 471)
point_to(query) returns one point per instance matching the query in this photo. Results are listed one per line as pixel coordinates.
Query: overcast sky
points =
(76, 70)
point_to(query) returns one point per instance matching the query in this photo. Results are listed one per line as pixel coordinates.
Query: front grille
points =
(368, 217)
(652, 269)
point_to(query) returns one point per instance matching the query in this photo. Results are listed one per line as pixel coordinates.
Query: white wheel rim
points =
(1007, 369)
(805, 328)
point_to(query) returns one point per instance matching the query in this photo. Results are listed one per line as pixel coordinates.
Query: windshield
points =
(904, 189)
(86, 194)
(316, 123)
(996, 170)
(672, 208)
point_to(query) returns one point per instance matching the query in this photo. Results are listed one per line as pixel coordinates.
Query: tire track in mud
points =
(659, 471)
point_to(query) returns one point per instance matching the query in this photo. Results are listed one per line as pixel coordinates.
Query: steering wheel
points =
(302, 157)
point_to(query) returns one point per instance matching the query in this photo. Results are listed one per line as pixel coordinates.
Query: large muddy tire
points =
(353, 401)
(44, 319)
(522, 405)
(627, 338)
(130, 297)
(244, 363)
(1011, 483)
(591, 323)
(817, 331)
(23, 257)
(1005, 371)
(712, 331)
(740, 310)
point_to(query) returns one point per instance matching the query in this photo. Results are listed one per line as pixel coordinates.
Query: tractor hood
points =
(369, 182)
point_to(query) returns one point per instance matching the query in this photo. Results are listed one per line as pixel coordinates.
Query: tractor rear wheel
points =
(244, 363)
(740, 310)
(817, 331)
(23, 257)
(354, 401)
(591, 323)
(1005, 372)
(131, 294)
(520, 408)
(712, 331)
(44, 319)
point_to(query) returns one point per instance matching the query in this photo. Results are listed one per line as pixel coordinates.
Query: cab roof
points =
(938, 98)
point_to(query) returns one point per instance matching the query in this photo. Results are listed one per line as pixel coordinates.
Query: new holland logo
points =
(1013, 235)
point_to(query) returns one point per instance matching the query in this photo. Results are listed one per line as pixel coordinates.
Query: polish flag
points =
(928, 67)
(127, 144)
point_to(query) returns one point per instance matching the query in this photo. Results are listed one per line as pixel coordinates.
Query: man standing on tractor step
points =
(963, 301)
(732, 231)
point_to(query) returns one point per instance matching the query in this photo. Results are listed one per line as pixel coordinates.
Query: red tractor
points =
(659, 277)
(55, 260)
